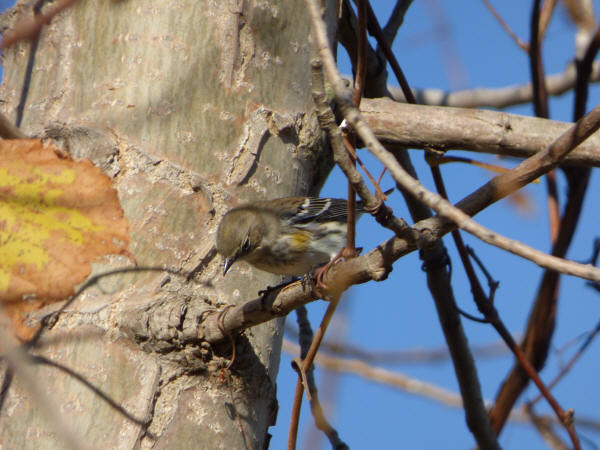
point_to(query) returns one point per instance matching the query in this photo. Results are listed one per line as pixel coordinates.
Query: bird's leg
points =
(321, 272)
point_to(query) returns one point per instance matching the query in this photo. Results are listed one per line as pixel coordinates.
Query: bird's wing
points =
(321, 210)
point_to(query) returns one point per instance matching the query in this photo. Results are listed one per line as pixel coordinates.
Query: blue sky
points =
(399, 313)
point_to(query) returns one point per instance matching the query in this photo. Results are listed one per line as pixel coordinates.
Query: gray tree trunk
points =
(191, 107)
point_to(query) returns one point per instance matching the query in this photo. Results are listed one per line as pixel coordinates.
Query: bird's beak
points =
(228, 263)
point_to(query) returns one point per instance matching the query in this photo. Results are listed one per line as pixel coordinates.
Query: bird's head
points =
(240, 232)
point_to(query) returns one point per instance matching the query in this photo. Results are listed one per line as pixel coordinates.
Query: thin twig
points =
(387, 51)
(541, 108)
(542, 318)
(406, 356)
(486, 306)
(584, 74)
(565, 370)
(522, 45)
(350, 141)
(312, 394)
(540, 94)
(306, 365)
(395, 20)
(347, 32)
(295, 416)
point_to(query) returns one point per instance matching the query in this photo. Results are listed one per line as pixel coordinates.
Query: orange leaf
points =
(56, 216)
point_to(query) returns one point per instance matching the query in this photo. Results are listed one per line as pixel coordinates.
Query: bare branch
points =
(497, 188)
(522, 45)
(306, 336)
(500, 98)
(404, 356)
(376, 67)
(445, 128)
(396, 20)
(384, 376)
(546, 15)
(417, 387)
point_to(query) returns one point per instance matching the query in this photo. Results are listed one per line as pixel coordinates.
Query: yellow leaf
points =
(56, 216)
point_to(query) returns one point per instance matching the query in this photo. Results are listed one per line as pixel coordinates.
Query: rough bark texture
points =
(191, 107)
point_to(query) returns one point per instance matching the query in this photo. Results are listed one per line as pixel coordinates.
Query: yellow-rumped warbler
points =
(286, 236)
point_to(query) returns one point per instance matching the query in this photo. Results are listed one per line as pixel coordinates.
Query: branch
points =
(376, 68)
(522, 45)
(545, 430)
(200, 321)
(445, 128)
(395, 20)
(437, 355)
(497, 188)
(500, 98)
(306, 337)
(418, 387)
(383, 376)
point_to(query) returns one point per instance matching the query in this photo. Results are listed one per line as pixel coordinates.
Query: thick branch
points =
(445, 128)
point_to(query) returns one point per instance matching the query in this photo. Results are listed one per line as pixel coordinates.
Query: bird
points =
(286, 236)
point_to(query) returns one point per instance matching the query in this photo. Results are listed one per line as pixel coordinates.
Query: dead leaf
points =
(56, 216)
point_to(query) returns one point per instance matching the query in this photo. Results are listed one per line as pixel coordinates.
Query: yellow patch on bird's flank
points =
(300, 240)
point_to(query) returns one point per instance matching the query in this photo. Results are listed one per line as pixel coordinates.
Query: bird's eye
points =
(246, 245)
